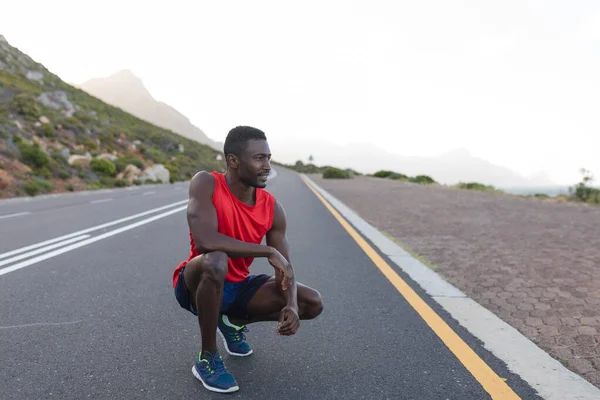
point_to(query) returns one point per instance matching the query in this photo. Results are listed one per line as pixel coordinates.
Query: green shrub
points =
(103, 167)
(25, 105)
(475, 186)
(83, 175)
(47, 130)
(107, 181)
(422, 179)
(173, 173)
(588, 194)
(335, 173)
(86, 141)
(155, 155)
(44, 184)
(33, 155)
(583, 192)
(120, 183)
(45, 173)
(398, 177)
(383, 174)
(123, 162)
(33, 186)
(137, 182)
(310, 168)
(71, 123)
(63, 174)
(70, 187)
(95, 185)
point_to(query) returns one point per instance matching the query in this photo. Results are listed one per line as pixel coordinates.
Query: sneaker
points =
(213, 374)
(233, 337)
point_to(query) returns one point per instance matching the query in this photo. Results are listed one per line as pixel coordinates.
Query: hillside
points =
(126, 91)
(55, 137)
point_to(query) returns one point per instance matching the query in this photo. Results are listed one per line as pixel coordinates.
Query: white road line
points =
(42, 324)
(147, 193)
(100, 201)
(77, 245)
(43, 249)
(14, 215)
(93, 228)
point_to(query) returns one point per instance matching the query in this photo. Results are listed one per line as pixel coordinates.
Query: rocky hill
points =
(126, 91)
(55, 137)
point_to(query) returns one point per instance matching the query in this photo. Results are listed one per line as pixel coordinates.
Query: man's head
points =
(248, 155)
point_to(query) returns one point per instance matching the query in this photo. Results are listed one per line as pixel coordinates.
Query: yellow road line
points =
(491, 382)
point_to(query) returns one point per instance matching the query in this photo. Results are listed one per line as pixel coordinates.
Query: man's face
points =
(255, 163)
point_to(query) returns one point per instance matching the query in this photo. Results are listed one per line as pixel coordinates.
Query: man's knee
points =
(214, 266)
(312, 305)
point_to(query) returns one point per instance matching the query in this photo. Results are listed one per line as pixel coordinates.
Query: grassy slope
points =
(30, 153)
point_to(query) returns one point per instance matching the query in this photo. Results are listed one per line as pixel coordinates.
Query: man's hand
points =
(281, 263)
(289, 321)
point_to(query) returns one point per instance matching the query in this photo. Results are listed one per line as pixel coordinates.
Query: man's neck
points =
(245, 193)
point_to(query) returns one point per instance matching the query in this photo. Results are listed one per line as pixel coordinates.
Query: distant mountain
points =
(126, 91)
(449, 168)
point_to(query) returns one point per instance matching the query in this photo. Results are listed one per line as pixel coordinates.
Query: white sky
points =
(516, 82)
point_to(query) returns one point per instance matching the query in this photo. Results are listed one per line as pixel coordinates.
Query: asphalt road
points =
(99, 320)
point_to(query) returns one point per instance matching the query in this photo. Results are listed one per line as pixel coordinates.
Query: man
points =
(228, 216)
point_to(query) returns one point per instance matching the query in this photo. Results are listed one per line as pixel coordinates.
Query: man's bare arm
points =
(202, 220)
(277, 238)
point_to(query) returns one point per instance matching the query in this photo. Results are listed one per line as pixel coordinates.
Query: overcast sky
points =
(516, 82)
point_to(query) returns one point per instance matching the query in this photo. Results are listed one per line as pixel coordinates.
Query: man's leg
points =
(268, 301)
(204, 277)
(262, 301)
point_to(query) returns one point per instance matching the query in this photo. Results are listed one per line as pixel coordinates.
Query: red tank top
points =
(239, 221)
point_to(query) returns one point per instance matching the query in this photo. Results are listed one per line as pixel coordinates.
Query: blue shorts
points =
(236, 296)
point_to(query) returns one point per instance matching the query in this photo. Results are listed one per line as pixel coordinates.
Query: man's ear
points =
(233, 161)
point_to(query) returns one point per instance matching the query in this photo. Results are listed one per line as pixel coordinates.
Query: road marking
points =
(147, 193)
(14, 215)
(489, 380)
(101, 201)
(77, 245)
(93, 228)
(42, 324)
(43, 249)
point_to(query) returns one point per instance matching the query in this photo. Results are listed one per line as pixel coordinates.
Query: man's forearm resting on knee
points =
(207, 242)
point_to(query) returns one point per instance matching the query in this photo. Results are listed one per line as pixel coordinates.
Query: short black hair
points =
(238, 137)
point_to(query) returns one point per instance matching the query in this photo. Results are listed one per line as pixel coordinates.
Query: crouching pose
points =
(228, 216)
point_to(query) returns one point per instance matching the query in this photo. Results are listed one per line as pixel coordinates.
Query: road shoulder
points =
(545, 374)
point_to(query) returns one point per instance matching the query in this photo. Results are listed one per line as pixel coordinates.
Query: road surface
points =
(90, 311)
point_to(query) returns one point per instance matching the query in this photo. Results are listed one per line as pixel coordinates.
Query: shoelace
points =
(238, 335)
(215, 365)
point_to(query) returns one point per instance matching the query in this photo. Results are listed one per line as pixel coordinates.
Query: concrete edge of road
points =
(543, 373)
(25, 199)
